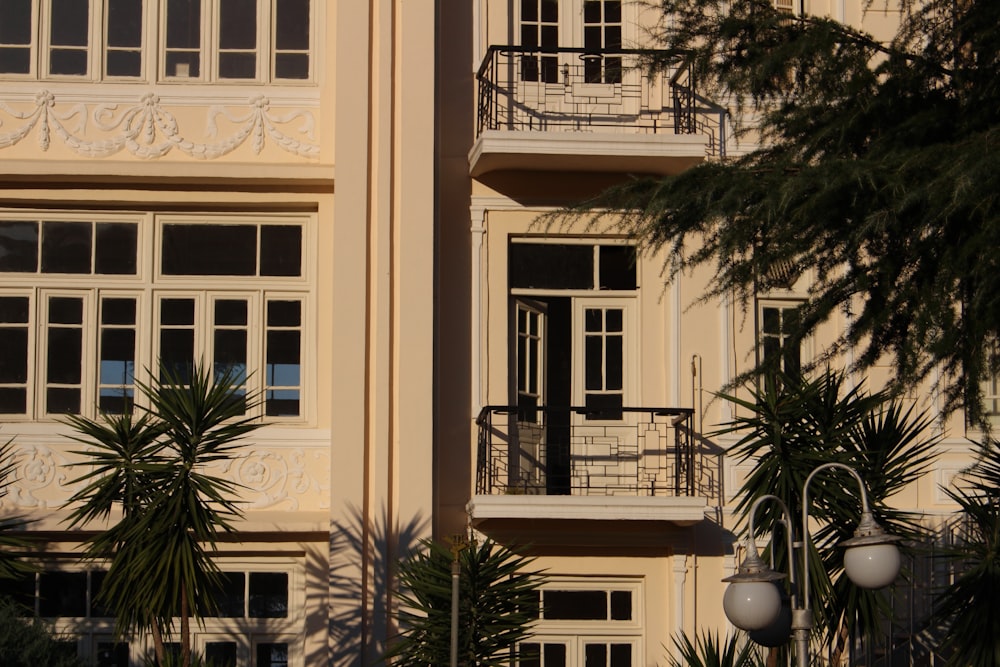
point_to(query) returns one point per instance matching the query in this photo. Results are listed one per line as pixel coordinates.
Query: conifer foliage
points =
(873, 166)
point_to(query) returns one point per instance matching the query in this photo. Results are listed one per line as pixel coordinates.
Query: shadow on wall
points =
(364, 555)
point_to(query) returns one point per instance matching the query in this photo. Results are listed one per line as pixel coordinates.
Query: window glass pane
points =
(116, 248)
(284, 313)
(21, 589)
(292, 25)
(529, 655)
(124, 63)
(551, 266)
(220, 654)
(232, 312)
(125, 23)
(238, 24)
(70, 22)
(612, 11)
(112, 654)
(280, 250)
(190, 250)
(283, 373)
(183, 64)
(230, 600)
(231, 354)
(594, 362)
(771, 321)
(550, 11)
(64, 355)
(15, 61)
(621, 606)
(291, 66)
(268, 595)
(617, 267)
(16, 25)
(183, 57)
(555, 655)
(67, 61)
(237, 65)
(529, 10)
(13, 310)
(272, 655)
(596, 655)
(177, 337)
(62, 594)
(184, 24)
(575, 605)
(97, 607)
(621, 655)
(18, 246)
(177, 311)
(14, 360)
(66, 247)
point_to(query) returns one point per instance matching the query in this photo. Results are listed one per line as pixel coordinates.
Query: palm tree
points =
(154, 468)
(11, 566)
(792, 425)
(966, 610)
(498, 599)
(708, 650)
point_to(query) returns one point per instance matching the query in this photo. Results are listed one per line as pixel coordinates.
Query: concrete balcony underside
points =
(658, 154)
(610, 522)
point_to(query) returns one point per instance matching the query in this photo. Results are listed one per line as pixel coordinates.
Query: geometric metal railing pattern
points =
(572, 451)
(579, 90)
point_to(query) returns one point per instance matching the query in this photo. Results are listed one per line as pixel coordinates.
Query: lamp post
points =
(752, 600)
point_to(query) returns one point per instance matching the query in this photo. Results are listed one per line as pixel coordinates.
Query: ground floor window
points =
(257, 621)
(587, 623)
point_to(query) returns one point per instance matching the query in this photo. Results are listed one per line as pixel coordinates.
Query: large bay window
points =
(160, 291)
(198, 40)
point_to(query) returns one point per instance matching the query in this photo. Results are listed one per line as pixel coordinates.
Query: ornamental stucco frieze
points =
(148, 129)
(277, 475)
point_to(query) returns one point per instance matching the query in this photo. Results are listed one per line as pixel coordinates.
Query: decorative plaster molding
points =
(148, 130)
(275, 477)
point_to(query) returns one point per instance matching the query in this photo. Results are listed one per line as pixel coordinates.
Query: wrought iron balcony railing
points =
(576, 89)
(571, 451)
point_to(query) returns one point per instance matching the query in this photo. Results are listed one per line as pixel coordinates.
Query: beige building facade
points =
(340, 198)
(247, 184)
(591, 384)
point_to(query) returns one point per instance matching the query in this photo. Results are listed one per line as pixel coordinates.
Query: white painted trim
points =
(683, 511)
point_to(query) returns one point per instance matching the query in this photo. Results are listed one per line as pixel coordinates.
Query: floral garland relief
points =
(147, 130)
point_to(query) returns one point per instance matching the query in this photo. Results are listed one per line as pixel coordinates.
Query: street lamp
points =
(753, 601)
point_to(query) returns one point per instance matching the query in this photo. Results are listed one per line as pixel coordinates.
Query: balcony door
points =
(572, 306)
(588, 81)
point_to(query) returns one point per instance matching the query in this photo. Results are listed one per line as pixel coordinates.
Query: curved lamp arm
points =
(788, 536)
(866, 517)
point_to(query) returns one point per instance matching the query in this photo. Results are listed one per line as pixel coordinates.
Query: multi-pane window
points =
(540, 29)
(197, 40)
(778, 328)
(579, 623)
(238, 40)
(69, 600)
(602, 31)
(604, 360)
(73, 346)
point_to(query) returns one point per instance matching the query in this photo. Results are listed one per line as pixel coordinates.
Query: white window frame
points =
(147, 286)
(210, 47)
(576, 634)
(153, 46)
(781, 303)
(630, 348)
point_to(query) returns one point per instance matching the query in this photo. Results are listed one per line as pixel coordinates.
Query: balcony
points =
(543, 465)
(579, 110)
